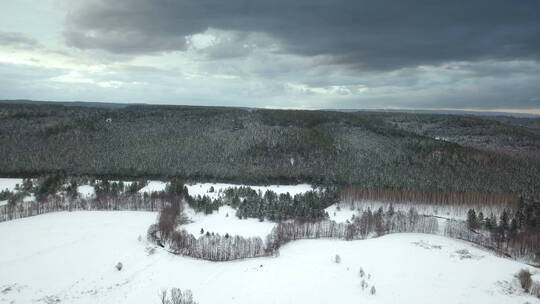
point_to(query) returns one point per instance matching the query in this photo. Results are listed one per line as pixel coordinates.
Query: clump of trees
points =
(213, 247)
(514, 233)
(274, 207)
(269, 205)
(176, 296)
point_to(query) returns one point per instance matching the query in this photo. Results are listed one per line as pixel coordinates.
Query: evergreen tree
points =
(472, 220)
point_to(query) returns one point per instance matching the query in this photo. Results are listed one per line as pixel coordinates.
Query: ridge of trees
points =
(256, 146)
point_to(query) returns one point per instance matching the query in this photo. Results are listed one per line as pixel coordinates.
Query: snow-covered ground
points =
(224, 221)
(9, 183)
(154, 186)
(340, 214)
(86, 191)
(70, 257)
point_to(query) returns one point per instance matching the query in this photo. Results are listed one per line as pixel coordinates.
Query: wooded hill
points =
(369, 149)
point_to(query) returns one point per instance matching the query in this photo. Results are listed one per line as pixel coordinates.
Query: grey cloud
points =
(124, 42)
(372, 35)
(17, 39)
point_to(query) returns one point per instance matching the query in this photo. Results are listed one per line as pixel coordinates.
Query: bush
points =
(525, 280)
(337, 259)
(364, 284)
(119, 266)
(372, 290)
(176, 296)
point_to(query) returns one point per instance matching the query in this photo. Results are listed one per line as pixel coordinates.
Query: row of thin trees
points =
(225, 248)
(440, 203)
(55, 203)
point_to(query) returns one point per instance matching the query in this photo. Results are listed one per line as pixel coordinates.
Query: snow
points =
(154, 186)
(86, 191)
(9, 183)
(342, 215)
(70, 256)
(219, 222)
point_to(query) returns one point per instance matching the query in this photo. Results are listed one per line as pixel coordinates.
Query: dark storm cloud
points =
(374, 35)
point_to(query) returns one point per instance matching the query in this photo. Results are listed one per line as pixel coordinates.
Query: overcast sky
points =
(350, 54)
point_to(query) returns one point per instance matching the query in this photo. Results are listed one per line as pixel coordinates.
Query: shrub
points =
(119, 266)
(372, 290)
(361, 273)
(525, 280)
(337, 259)
(176, 296)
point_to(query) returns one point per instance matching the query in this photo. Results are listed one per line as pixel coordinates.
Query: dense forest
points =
(374, 150)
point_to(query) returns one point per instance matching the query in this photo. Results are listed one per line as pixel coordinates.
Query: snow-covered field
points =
(69, 257)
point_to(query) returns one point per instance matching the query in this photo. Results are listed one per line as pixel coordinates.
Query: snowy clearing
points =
(340, 214)
(86, 191)
(9, 183)
(70, 257)
(153, 186)
(219, 222)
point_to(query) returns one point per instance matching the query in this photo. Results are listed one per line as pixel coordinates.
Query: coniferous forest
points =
(370, 149)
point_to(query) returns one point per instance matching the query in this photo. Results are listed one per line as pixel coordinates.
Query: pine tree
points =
(391, 210)
(472, 221)
(503, 223)
(481, 219)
